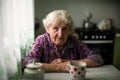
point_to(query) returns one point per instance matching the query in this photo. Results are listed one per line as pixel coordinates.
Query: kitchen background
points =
(100, 10)
(20, 17)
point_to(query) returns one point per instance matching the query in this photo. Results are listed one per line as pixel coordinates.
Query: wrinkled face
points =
(59, 32)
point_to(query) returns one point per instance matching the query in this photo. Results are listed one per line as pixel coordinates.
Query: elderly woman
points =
(57, 47)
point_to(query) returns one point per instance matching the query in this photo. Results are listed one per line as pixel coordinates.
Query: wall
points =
(101, 9)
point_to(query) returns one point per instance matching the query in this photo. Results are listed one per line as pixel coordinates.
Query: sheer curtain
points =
(16, 35)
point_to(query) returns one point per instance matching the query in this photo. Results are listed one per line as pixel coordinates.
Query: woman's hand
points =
(56, 65)
(61, 67)
(57, 61)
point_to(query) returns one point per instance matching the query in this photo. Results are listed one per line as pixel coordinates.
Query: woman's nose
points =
(60, 32)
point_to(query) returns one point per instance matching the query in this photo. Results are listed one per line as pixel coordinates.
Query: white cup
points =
(77, 70)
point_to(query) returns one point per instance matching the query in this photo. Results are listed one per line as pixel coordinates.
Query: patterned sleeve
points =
(34, 53)
(89, 54)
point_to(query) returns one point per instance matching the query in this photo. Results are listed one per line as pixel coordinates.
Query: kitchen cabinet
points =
(116, 61)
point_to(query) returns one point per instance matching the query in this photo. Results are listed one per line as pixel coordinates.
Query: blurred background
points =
(79, 9)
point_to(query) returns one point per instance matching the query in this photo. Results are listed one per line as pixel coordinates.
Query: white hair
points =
(61, 15)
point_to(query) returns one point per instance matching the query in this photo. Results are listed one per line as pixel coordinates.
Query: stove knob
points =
(86, 37)
(96, 36)
(104, 37)
(100, 36)
(93, 37)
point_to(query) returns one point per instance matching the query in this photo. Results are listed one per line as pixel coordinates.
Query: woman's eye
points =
(55, 29)
(65, 29)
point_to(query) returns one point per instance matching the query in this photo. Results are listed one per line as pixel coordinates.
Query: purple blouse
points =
(44, 50)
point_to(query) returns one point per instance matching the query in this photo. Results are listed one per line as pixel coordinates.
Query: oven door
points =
(104, 47)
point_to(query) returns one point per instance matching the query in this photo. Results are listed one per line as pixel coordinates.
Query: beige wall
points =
(101, 9)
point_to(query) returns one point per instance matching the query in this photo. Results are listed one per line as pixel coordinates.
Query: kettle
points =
(88, 24)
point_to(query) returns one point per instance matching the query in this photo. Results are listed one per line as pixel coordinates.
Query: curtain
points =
(16, 35)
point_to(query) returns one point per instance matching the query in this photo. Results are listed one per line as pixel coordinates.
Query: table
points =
(106, 72)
